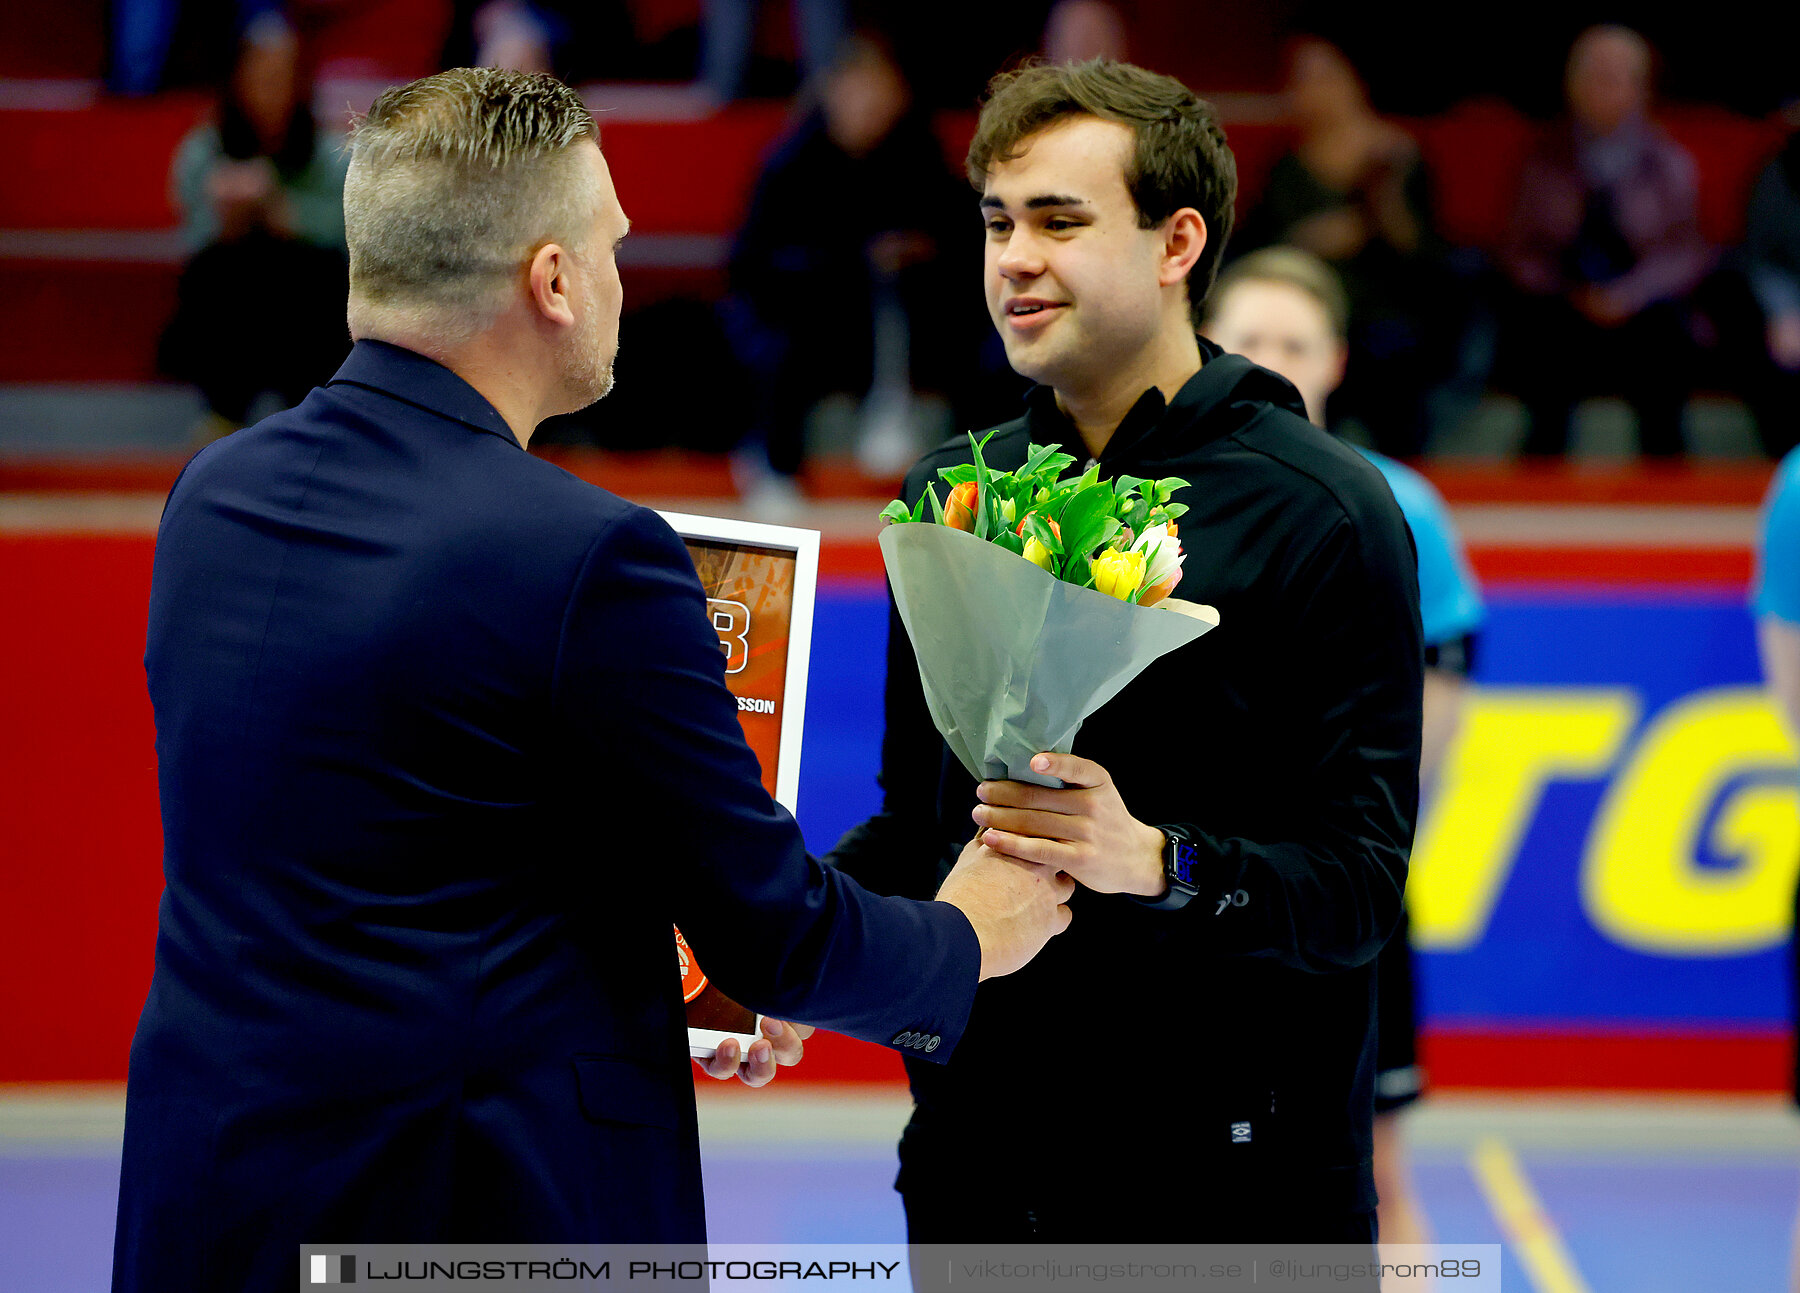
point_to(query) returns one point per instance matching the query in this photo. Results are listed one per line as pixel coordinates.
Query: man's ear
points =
(548, 280)
(1183, 242)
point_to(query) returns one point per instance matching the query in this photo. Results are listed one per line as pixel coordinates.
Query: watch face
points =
(1185, 861)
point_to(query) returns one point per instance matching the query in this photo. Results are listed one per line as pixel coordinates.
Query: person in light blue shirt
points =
(1775, 600)
(1776, 596)
(1285, 309)
(1449, 599)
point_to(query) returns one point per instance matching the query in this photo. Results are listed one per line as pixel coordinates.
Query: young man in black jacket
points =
(1273, 763)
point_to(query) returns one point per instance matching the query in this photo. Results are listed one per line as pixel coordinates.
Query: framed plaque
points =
(761, 582)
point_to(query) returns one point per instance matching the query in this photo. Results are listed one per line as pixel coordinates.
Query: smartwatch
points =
(1181, 868)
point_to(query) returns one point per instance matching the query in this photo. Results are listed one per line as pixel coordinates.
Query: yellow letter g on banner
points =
(1643, 883)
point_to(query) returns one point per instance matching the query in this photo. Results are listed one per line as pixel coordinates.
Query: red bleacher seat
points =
(99, 167)
(64, 39)
(386, 39)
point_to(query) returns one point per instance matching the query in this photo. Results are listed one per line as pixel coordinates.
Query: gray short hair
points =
(454, 181)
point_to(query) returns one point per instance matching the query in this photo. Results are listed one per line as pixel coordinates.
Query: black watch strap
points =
(1181, 868)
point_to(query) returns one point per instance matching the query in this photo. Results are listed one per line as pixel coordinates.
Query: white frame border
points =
(805, 546)
(703, 1042)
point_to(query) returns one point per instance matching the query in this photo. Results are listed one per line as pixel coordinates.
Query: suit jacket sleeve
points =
(640, 688)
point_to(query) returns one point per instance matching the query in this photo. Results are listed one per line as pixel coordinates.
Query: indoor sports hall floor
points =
(1607, 1195)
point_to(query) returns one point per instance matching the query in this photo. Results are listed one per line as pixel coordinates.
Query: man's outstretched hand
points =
(1015, 907)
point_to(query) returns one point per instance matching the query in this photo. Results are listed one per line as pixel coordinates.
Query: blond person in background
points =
(1284, 309)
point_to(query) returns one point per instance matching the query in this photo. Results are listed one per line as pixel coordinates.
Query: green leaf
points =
(896, 512)
(1176, 510)
(1056, 464)
(1011, 542)
(963, 471)
(990, 502)
(1126, 484)
(1084, 517)
(937, 508)
(1056, 499)
(1036, 456)
(983, 494)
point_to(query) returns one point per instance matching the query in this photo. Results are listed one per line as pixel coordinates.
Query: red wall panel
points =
(80, 846)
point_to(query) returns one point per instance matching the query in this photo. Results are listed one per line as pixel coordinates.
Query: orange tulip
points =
(959, 512)
(1156, 592)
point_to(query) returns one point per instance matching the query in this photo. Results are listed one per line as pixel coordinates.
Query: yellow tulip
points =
(1118, 574)
(1037, 554)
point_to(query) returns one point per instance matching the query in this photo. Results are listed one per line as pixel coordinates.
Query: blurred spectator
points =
(854, 271)
(1772, 265)
(728, 36)
(1603, 250)
(575, 40)
(1355, 192)
(1078, 30)
(509, 33)
(260, 187)
(152, 44)
(156, 44)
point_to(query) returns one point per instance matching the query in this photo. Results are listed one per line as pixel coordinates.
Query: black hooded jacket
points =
(1234, 1034)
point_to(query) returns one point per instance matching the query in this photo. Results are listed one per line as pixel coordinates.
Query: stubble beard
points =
(587, 373)
(588, 378)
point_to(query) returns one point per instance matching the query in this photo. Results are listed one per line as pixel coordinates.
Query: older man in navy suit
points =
(445, 749)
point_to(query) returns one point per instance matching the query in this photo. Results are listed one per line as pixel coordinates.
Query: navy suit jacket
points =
(445, 749)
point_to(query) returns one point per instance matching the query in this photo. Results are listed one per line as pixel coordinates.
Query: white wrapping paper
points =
(1013, 659)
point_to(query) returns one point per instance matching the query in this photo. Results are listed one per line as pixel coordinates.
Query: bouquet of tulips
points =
(1027, 599)
(1117, 537)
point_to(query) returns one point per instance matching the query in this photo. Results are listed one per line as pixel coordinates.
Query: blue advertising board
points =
(1613, 839)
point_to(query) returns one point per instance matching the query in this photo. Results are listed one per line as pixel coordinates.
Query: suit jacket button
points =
(933, 1044)
(902, 1039)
